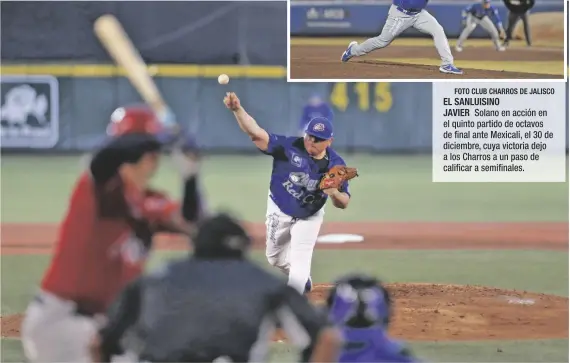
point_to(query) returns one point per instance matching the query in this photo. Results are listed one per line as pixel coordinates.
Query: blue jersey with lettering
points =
(295, 177)
(372, 345)
(479, 11)
(413, 5)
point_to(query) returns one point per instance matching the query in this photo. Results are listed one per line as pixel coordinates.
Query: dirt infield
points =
(432, 312)
(323, 62)
(39, 238)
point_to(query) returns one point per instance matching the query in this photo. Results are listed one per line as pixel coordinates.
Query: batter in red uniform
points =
(103, 244)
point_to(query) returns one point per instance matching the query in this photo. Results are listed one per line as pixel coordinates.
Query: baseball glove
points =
(336, 176)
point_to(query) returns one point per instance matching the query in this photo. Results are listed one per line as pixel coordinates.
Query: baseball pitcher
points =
(361, 308)
(306, 173)
(487, 16)
(404, 14)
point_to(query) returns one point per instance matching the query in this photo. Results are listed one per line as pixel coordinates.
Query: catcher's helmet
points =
(359, 301)
(135, 118)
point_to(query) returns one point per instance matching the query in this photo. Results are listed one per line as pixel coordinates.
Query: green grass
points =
(391, 188)
(510, 351)
(555, 350)
(538, 271)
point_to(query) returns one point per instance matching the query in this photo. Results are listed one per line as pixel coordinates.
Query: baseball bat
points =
(119, 46)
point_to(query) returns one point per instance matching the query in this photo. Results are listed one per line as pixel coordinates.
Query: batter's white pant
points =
(397, 22)
(471, 23)
(290, 243)
(53, 332)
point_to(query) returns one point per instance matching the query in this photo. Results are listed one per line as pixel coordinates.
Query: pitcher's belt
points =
(409, 11)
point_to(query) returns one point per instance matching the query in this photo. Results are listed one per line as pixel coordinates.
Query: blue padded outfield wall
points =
(173, 31)
(367, 17)
(58, 89)
(368, 116)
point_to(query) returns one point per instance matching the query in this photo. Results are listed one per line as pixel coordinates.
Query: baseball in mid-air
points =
(223, 79)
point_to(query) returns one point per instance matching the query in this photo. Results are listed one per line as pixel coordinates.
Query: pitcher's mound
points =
(457, 312)
(450, 312)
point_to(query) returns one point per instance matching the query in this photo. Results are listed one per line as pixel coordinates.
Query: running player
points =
(404, 14)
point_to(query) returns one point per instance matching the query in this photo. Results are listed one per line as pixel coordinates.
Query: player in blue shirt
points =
(405, 14)
(316, 107)
(295, 204)
(487, 16)
(361, 308)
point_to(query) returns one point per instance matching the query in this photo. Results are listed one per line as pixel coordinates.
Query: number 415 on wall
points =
(379, 93)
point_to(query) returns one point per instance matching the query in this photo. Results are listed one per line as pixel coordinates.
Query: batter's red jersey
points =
(96, 256)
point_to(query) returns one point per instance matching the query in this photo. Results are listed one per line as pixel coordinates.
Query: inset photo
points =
(422, 39)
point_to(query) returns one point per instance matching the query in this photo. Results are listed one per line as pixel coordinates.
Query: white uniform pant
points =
(52, 331)
(486, 23)
(290, 243)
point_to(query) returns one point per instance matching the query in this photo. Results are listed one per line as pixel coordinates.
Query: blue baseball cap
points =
(320, 127)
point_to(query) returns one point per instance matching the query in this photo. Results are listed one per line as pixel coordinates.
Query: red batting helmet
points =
(139, 118)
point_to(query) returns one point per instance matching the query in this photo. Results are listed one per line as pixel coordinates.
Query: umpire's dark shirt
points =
(199, 310)
(519, 6)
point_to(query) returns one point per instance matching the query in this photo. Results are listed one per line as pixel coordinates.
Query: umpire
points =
(213, 306)
(518, 10)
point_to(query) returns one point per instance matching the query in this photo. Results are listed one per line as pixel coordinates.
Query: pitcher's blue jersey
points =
(415, 5)
(479, 11)
(295, 177)
(372, 345)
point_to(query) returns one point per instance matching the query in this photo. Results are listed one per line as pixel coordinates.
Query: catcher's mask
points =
(220, 236)
(135, 118)
(359, 301)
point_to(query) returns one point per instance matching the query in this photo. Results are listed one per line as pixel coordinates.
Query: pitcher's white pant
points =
(290, 243)
(53, 332)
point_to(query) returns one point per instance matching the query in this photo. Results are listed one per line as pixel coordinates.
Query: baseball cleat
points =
(451, 69)
(309, 285)
(458, 48)
(501, 48)
(347, 54)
